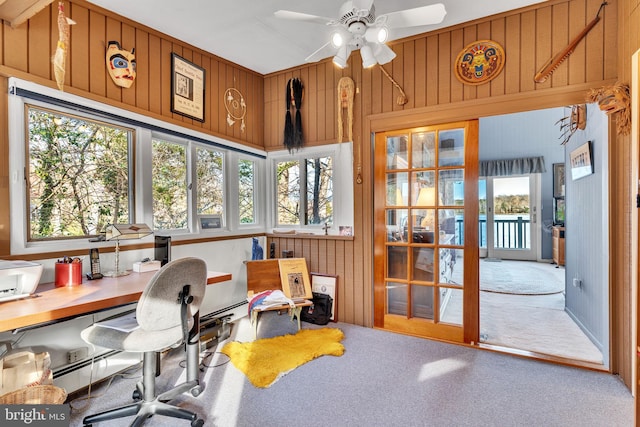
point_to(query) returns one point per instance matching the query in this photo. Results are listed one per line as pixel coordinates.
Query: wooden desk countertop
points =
(50, 303)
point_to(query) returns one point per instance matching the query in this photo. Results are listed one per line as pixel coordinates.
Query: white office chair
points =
(168, 315)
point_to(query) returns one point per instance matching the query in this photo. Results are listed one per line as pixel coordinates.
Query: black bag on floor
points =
(320, 312)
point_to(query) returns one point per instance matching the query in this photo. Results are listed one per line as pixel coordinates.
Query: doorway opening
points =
(526, 304)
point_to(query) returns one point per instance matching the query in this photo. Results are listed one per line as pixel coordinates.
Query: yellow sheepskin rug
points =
(266, 360)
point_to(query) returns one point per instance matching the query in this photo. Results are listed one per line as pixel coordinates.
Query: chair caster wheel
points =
(136, 395)
(196, 391)
(197, 423)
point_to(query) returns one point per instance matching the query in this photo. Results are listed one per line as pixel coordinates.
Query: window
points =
(210, 181)
(78, 175)
(77, 166)
(305, 191)
(305, 187)
(169, 166)
(246, 191)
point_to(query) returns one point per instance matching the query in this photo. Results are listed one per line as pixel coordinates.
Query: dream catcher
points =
(236, 107)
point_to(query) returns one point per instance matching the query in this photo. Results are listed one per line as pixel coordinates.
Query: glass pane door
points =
(421, 205)
(511, 217)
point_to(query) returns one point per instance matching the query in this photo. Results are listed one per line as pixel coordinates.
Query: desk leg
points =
(296, 312)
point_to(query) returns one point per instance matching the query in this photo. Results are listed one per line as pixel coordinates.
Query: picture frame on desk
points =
(327, 284)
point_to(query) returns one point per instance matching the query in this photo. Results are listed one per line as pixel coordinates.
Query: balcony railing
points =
(511, 233)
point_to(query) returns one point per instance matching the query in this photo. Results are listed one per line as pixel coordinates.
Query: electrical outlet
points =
(77, 354)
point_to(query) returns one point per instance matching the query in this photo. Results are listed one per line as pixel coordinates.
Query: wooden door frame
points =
(471, 298)
(620, 349)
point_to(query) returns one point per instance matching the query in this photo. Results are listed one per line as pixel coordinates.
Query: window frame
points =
(343, 205)
(144, 130)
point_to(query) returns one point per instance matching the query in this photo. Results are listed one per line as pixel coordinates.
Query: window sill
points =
(301, 235)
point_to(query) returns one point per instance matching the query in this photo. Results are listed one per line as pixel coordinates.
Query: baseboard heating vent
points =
(83, 363)
(217, 313)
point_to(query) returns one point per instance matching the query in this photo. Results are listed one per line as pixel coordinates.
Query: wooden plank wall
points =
(27, 51)
(329, 255)
(423, 68)
(621, 187)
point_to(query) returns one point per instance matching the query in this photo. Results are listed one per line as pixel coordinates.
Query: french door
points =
(509, 217)
(426, 231)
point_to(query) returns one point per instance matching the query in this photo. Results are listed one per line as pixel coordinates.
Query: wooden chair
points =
(264, 275)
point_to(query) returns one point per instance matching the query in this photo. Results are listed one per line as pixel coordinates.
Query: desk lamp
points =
(119, 232)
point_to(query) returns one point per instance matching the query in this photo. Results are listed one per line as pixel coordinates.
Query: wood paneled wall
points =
(27, 51)
(329, 255)
(423, 67)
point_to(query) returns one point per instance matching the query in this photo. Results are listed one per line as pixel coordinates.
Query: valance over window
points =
(508, 167)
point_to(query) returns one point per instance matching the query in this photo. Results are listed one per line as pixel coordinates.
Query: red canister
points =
(68, 274)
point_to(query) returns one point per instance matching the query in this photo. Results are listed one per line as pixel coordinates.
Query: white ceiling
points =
(247, 33)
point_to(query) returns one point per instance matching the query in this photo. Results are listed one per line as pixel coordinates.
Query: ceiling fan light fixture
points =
(368, 60)
(383, 53)
(337, 40)
(341, 57)
(377, 34)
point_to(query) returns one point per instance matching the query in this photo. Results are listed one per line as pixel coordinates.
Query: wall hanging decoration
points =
(121, 64)
(612, 100)
(479, 62)
(346, 91)
(581, 160)
(402, 98)
(187, 88)
(550, 66)
(577, 119)
(236, 107)
(60, 56)
(293, 136)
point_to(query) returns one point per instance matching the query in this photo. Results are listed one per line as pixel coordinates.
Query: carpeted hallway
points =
(522, 307)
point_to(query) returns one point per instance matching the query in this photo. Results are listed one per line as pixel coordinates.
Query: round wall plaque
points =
(479, 62)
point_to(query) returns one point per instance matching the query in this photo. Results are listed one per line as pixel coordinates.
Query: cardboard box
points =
(142, 267)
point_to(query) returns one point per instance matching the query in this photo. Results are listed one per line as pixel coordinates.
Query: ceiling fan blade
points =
(417, 17)
(325, 51)
(297, 16)
(362, 4)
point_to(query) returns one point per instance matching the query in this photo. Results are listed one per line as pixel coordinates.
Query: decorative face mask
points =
(121, 64)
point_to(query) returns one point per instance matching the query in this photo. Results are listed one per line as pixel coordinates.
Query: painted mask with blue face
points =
(121, 64)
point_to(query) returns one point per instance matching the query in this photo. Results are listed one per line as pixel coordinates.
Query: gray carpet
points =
(386, 379)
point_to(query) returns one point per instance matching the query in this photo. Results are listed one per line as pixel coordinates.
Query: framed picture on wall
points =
(187, 88)
(558, 180)
(581, 161)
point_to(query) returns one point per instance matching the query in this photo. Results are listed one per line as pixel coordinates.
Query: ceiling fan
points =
(359, 28)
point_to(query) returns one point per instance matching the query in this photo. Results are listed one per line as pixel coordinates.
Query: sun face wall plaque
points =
(479, 62)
